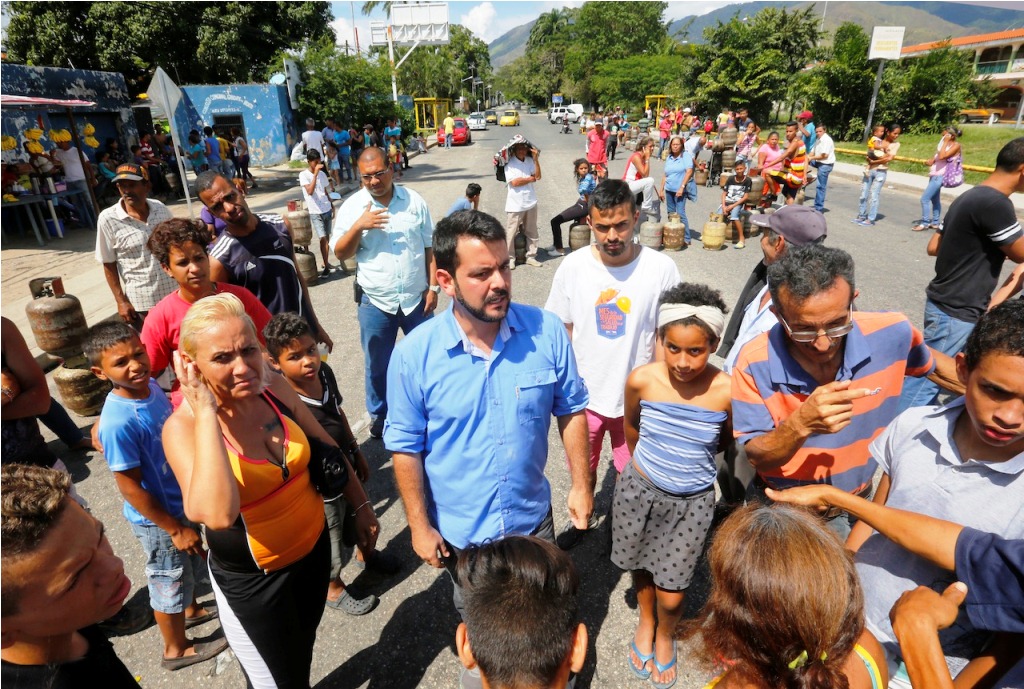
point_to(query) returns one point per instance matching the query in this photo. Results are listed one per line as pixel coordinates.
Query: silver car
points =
(477, 120)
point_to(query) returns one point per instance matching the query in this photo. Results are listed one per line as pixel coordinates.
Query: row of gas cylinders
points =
(58, 324)
(302, 236)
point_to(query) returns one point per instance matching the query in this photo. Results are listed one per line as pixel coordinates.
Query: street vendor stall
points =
(49, 193)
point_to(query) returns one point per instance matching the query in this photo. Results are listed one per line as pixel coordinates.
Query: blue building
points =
(261, 111)
(112, 115)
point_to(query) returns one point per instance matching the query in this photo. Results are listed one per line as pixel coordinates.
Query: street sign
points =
(886, 43)
(556, 99)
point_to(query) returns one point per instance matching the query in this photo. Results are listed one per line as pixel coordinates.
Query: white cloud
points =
(480, 20)
(343, 32)
(678, 10)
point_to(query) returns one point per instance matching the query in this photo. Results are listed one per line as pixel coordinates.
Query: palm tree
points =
(548, 26)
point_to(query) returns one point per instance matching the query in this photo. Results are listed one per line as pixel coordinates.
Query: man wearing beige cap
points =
(121, 235)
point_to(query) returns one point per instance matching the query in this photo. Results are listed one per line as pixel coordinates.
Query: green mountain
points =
(925, 21)
(510, 45)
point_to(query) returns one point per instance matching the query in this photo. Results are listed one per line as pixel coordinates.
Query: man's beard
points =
(479, 313)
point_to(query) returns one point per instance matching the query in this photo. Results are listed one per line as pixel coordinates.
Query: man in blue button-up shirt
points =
(389, 231)
(471, 394)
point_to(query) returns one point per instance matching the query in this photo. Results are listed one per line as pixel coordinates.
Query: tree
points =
(926, 93)
(439, 70)
(347, 87)
(613, 31)
(751, 61)
(196, 42)
(838, 89)
(627, 81)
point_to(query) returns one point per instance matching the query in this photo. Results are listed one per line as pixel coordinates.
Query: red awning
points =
(34, 102)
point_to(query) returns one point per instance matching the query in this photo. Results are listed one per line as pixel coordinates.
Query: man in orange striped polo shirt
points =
(811, 394)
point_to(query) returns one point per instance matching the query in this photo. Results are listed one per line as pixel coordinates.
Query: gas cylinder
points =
(713, 236)
(57, 320)
(756, 190)
(674, 233)
(729, 136)
(302, 231)
(650, 234)
(520, 247)
(80, 390)
(350, 264)
(579, 237)
(306, 263)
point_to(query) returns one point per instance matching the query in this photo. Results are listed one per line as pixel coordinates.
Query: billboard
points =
(886, 43)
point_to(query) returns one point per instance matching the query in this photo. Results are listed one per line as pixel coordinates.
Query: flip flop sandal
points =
(352, 605)
(921, 228)
(211, 614)
(206, 650)
(664, 668)
(643, 673)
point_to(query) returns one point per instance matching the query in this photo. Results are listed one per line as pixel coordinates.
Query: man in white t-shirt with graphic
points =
(314, 183)
(607, 296)
(521, 173)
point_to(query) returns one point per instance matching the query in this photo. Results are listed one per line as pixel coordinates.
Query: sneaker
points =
(512, 264)
(866, 223)
(570, 536)
(377, 427)
(326, 272)
(531, 261)
(858, 220)
(739, 246)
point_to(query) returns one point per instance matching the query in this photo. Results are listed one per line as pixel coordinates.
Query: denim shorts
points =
(321, 223)
(171, 573)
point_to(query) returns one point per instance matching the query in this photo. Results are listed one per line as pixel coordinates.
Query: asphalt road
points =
(408, 640)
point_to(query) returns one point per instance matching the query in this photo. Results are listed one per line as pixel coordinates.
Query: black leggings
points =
(243, 168)
(574, 212)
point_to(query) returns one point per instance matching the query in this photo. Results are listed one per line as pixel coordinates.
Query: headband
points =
(709, 315)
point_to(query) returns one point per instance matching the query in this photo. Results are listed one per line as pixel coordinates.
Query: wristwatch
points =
(436, 289)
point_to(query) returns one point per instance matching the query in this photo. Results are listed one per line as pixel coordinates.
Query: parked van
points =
(572, 113)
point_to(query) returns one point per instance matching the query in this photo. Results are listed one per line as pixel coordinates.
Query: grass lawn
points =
(980, 144)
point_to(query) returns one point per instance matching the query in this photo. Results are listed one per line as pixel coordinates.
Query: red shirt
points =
(163, 325)
(595, 146)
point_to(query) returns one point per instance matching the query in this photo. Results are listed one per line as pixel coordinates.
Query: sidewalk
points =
(73, 259)
(904, 181)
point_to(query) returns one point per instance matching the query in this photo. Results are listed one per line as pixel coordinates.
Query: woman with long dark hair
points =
(585, 184)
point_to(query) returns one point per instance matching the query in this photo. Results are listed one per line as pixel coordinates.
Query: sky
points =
(489, 20)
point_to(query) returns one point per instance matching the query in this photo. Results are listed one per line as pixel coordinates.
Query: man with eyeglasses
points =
(812, 393)
(387, 227)
(256, 252)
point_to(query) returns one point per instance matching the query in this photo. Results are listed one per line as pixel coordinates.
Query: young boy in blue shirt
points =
(130, 425)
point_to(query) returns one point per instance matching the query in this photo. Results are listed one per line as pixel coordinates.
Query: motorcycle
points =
(566, 129)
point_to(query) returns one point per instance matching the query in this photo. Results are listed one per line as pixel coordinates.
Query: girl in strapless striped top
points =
(676, 411)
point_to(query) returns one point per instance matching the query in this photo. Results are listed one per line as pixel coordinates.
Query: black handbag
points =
(327, 469)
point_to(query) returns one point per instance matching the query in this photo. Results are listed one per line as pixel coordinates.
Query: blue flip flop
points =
(662, 668)
(643, 673)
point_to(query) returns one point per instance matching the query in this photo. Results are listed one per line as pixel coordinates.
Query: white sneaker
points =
(512, 264)
(531, 261)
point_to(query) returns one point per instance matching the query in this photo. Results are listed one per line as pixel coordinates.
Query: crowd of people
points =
(226, 436)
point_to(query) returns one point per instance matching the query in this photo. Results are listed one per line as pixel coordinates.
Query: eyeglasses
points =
(809, 336)
(374, 175)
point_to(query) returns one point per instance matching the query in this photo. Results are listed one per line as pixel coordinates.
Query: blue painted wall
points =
(266, 113)
(112, 115)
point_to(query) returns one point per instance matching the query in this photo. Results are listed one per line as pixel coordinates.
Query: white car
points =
(477, 120)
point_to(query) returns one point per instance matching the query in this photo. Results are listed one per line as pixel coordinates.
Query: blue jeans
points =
(674, 205)
(869, 193)
(819, 195)
(931, 201)
(378, 331)
(448, 140)
(171, 573)
(942, 333)
(82, 202)
(346, 166)
(664, 145)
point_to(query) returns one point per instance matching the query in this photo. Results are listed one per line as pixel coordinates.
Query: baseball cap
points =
(687, 110)
(131, 172)
(806, 115)
(799, 225)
